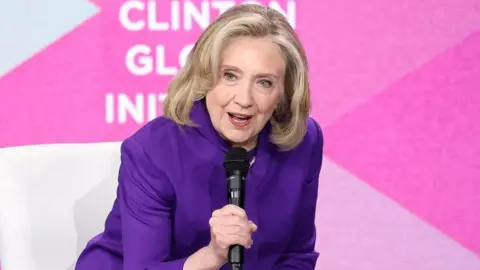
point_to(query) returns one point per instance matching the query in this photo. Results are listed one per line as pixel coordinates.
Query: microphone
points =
(236, 166)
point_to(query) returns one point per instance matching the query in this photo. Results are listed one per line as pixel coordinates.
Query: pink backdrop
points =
(395, 88)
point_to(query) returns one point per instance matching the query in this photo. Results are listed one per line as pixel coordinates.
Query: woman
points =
(245, 84)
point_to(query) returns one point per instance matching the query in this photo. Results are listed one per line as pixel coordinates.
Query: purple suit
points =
(171, 179)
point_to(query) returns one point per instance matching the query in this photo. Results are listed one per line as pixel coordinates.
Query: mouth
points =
(240, 120)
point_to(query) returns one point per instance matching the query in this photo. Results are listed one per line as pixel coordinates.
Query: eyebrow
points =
(229, 67)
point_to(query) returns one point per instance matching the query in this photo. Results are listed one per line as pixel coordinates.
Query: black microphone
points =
(236, 166)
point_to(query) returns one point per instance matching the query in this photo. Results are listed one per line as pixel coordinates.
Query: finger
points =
(217, 213)
(233, 229)
(220, 230)
(253, 226)
(230, 221)
(229, 240)
(231, 209)
(213, 221)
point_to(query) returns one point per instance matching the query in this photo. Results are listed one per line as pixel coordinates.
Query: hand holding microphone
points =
(236, 167)
(230, 226)
(230, 229)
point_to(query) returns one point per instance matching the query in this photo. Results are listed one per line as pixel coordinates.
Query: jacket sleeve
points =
(300, 253)
(146, 197)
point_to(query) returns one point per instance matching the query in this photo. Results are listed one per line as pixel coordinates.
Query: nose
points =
(243, 95)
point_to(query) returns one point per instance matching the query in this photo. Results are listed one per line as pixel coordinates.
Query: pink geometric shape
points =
(58, 96)
(46, 98)
(356, 50)
(418, 142)
(359, 228)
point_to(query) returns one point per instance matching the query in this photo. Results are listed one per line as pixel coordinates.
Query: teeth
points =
(239, 118)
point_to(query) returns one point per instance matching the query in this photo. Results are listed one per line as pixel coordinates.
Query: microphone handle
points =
(235, 252)
(236, 196)
(235, 200)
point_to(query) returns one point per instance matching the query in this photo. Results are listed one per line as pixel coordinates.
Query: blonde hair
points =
(200, 72)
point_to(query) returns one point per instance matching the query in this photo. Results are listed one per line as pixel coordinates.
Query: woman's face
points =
(251, 83)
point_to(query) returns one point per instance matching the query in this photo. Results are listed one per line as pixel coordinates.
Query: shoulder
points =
(152, 156)
(312, 143)
(140, 156)
(155, 132)
(153, 143)
(314, 136)
(309, 153)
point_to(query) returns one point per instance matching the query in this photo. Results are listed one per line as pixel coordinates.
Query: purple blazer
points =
(171, 179)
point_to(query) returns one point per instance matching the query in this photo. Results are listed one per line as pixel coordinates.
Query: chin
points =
(237, 137)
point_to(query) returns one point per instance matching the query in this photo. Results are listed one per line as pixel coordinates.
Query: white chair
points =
(53, 199)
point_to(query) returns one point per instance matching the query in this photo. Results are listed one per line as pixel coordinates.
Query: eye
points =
(229, 76)
(266, 83)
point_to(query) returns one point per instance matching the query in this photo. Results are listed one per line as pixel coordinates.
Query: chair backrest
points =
(53, 199)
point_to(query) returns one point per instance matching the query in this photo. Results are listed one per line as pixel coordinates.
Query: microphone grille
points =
(236, 159)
